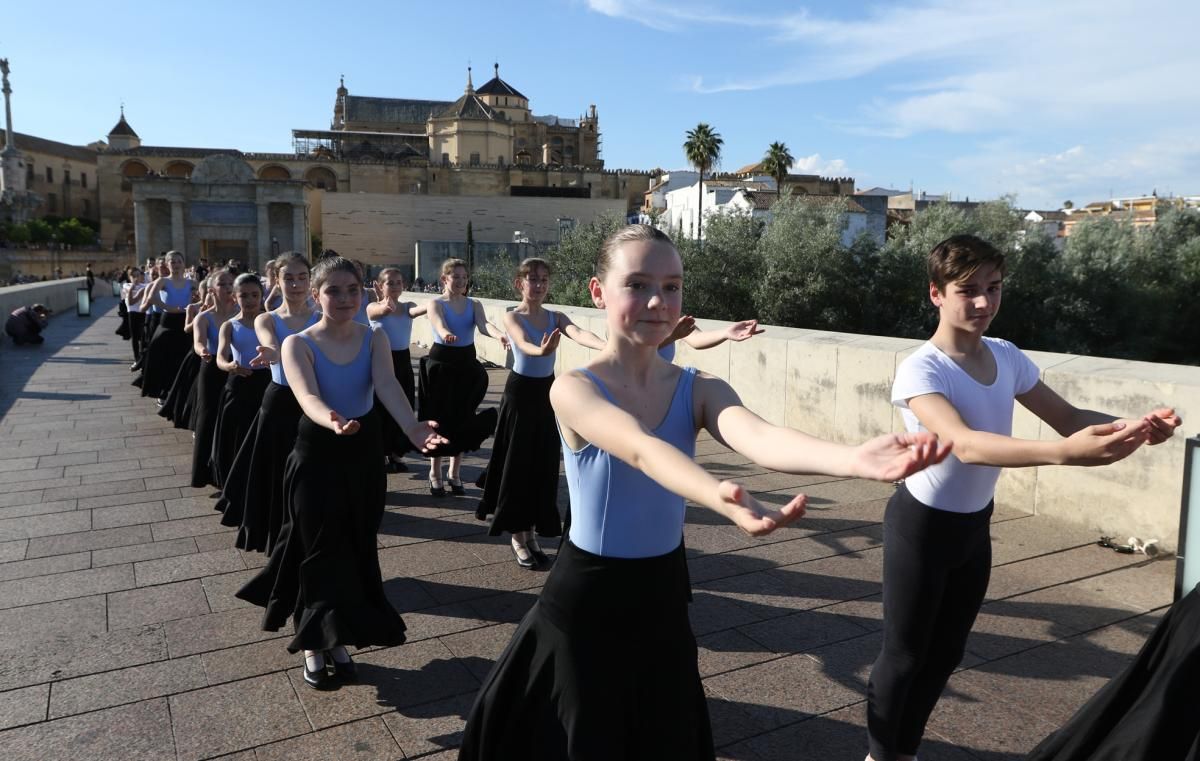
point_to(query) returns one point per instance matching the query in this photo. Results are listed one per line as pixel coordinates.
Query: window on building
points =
(445, 159)
(474, 159)
(49, 174)
(87, 208)
(83, 179)
(29, 175)
(500, 161)
(51, 203)
(66, 176)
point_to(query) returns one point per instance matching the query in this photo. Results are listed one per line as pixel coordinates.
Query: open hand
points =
(206, 357)
(266, 356)
(424, 435)
(682, 329)
(1105, 443)
(740, 331)
(893, 456)
(342, 426)
(238, 370)
(1163, 423)
(505, 343)
(752, 516)
(449, 338)
(550, 342)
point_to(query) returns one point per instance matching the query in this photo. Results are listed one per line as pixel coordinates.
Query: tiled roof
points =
(360, 108)
(53, 147)
(497, 86)
(469, 106)
(122, 128)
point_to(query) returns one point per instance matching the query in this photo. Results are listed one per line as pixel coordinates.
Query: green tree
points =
(703, 151)
(777, 162)
(40, 231)
(74, 233)
(720, 280)
(573, 260)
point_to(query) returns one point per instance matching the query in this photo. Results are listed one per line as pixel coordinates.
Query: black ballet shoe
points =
(438, 490)
(319, 679)
(345, 672)
(528, 562)
(456, 486)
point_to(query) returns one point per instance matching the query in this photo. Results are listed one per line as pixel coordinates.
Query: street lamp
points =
(1187, 558)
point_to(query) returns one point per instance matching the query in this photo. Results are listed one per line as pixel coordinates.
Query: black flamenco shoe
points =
(343, 672)
(538, 554)
(529, 562)
(318, 680)
(437, 491)
(456, 486)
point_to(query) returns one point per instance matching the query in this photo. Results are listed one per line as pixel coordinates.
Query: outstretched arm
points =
(883, 458)
(586, 416)
(1099, 443)
(200, 336)
(579, 335)
(422, 434)
(298, 365)
(485, 327)
(416, 310)
(738, 331)
(1067, 419)
(150, 293)
(517, 337)
(438, 321)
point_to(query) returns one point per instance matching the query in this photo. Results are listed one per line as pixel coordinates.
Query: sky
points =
(1046, 101)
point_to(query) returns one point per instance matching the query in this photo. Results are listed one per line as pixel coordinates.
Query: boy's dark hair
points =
(959, 257)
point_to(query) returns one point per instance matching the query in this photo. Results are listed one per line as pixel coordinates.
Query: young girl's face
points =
(535, 286)
(249, 298)
(392, 286)
(340, 296)
(295, 281)
(642, 291)
(456, 281)
(223, 287)
(175, 265)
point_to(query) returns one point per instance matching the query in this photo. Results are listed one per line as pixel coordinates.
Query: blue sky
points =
(1045, 100)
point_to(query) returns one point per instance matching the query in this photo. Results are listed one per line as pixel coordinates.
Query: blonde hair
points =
(449, 265)
(627, 234)
(530, 264)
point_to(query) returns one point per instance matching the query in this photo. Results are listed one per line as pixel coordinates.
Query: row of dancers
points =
(604, 665)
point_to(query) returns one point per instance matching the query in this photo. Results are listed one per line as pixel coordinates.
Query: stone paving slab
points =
(121, 638)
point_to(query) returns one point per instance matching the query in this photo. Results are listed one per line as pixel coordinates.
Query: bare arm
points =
(1096, 444)
(707, 339)
(150, 293)
(200, 336)
(579, 335)
(883, 458)
(225, 359)
(416, 310)
(193, 310)
(586, 415)
(391, 394)
(516, 335)
(485, 327)
(438, 322)
(268, 341)
(379, 309)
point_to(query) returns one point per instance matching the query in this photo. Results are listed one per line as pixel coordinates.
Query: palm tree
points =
(703, 150)
(777, 161)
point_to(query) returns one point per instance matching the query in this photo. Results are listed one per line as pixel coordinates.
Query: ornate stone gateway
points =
(222, 211)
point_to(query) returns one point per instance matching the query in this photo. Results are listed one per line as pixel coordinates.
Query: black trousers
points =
(137, 331)
(936, 566)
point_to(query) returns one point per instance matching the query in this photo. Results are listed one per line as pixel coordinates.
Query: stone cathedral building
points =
(388, 174)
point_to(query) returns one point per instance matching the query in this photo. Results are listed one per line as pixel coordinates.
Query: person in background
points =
(25, 324)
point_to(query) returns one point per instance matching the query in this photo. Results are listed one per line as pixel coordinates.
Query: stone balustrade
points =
(59, 295)
(837, 386)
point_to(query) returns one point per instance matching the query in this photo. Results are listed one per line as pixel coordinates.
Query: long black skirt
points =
(323, 571)
(180, 399)
(1150, 711)
(209, 385)
(602, 667)
(394, 441)
(521, 489)
(254, 487)
(164, 354)
(240, 401)
(452, 384)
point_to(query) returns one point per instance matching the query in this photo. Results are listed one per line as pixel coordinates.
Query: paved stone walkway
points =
(121, 638)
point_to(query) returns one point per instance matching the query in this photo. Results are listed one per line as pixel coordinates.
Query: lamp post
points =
(1187, 558)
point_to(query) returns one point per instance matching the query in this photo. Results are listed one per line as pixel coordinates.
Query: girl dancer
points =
(937, 549)
(132, 293)
(178, 405)
(252, 497)
(394, 317)
(324, 570)
(170, 344)
(604, 664)
(453, 383)
(211, 380)
(522, 484)
(271, 287)
(245, 386)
